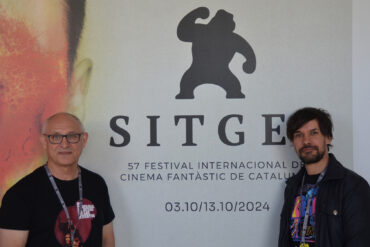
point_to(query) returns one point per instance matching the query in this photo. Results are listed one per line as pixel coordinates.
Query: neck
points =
(64, 172)
(318, 167)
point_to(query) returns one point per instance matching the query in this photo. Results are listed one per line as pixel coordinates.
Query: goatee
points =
(311, 158)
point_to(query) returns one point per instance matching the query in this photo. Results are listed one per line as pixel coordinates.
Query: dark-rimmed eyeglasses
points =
(58, 139)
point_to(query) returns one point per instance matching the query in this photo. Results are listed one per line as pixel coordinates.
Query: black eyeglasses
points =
(58, 139)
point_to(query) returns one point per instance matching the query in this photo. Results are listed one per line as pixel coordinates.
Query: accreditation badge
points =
(304, 245)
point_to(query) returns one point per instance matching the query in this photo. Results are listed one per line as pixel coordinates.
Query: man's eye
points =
(56, 137)
(73, 136)
(297, 135)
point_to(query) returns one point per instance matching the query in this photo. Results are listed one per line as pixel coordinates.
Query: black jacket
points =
(342, 208)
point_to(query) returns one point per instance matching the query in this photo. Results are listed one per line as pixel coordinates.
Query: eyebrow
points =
(298, 131)
(68, 133)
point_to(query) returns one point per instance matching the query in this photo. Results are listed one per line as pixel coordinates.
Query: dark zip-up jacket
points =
(342, 208)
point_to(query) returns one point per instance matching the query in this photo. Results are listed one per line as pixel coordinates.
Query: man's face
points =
(68, 238)
(33, 80)
(76, 243)
(309, 143)
(65, 153)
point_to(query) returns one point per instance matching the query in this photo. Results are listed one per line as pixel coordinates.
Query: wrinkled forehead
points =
(45, 19)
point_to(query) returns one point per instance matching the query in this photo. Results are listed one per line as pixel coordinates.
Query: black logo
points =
(214, 45)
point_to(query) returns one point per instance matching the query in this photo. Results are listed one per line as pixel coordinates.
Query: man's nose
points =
(306, 139)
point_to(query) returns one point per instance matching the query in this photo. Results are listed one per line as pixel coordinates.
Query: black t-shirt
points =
(299, 209)
(33, 205)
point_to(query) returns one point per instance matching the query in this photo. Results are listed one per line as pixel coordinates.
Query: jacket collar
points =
(335, 171)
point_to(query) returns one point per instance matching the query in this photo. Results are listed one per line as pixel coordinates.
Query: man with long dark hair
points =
(325, 204)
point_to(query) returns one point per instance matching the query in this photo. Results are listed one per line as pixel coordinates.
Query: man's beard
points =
(312, 157)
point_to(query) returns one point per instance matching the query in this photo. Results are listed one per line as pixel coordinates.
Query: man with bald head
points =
(60, 203)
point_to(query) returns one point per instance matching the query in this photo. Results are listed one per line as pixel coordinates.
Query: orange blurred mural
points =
(36, 79)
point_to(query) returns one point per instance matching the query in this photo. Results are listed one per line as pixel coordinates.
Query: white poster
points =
(361, 87)
(188, 131)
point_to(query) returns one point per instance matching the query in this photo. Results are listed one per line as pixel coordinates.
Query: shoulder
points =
(19, 201)
(348, 176)
(356, 196)
(29, 182)
(350, 180)
(354, 180)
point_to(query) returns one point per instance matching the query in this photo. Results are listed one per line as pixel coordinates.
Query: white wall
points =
(361, 87)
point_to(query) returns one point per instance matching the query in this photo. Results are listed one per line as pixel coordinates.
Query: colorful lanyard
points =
(305, 222)
(79, 205)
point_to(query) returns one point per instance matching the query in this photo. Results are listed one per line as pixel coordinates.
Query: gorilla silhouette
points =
(214, 45)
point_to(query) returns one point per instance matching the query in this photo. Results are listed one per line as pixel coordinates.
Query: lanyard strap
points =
(305, 222)
(79, 204)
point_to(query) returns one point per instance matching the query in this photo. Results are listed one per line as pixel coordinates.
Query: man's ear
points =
(328, 140)
(84, 138)
(79, 86)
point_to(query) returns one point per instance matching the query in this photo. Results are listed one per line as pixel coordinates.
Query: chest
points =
(47, 209)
